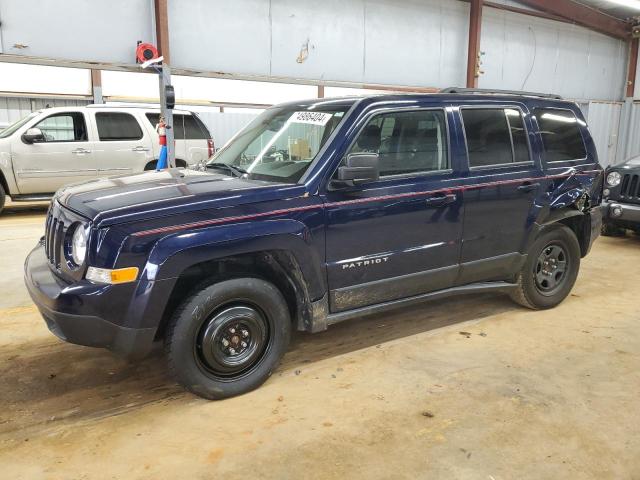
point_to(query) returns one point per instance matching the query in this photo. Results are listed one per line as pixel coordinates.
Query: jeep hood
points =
(153, 194)
(631, 164)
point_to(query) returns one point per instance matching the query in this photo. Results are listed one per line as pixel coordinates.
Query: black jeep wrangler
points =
(622, 198)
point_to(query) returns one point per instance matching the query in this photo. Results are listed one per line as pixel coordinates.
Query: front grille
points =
(55, 230)
(630, 188)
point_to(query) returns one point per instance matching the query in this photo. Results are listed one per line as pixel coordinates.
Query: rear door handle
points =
(441, 200)
(80, 151)
(139, 149)
(528, 187)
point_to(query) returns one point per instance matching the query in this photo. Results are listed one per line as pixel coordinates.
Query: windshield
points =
(280, 144)
(15, 126)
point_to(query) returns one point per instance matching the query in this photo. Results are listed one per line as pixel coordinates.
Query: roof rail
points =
(499, 92)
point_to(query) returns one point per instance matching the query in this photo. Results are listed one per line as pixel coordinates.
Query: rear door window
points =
(115, 126)
(560, 132)
(495, 136)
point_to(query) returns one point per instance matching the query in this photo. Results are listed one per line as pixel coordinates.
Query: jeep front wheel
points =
(550, 270)
(227, 338)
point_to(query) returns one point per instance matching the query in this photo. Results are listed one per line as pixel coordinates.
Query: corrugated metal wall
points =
(604, 121)
(13, 109)
(223, 126)
(528, 53)
(629, 136)
(413, 42)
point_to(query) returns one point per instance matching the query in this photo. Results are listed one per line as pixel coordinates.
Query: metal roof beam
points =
(584, 16)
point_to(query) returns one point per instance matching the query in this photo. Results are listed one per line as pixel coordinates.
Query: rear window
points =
(495, 136)
(561, 135)
(185, 127)
(113, 126)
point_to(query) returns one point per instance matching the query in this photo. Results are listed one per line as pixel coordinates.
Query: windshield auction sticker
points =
(312, 118)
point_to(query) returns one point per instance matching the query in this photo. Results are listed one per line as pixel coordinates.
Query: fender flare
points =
(7, 176)
(173, 254)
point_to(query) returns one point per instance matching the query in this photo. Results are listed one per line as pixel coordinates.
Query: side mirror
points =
(359, 168)
(33, 135)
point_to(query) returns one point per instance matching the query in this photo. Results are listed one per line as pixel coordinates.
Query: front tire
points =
(227, 338)
(550, 271)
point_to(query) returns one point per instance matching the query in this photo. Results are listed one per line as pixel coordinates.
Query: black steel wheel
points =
(227, 338)
(232, 340)
(550, 270)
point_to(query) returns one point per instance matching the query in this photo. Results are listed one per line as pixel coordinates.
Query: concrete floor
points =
(468, 388)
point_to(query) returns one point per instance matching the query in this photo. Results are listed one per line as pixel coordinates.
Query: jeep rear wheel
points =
(228, 337)
(550, 270)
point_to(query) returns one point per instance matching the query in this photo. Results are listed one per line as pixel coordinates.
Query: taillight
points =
(210, 147)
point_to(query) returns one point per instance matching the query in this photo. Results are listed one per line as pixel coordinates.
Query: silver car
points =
(57, 146)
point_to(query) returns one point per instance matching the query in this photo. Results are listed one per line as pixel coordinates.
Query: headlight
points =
(613, 179)
(79, 245)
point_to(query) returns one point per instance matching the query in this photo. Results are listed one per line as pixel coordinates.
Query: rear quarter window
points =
(560, 132)
(185, 127)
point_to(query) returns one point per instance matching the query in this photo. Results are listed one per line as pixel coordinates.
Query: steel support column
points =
(162, 40)
(473, 52)
(632, 68)
(96, 86)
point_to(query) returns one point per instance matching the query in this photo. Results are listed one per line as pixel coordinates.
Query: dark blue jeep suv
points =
(318, 212)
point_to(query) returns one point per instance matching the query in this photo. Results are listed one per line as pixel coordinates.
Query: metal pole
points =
(473, 51)
(165, 79)
(96, 86)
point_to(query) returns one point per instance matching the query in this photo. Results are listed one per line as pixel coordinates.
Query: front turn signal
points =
(112, 276)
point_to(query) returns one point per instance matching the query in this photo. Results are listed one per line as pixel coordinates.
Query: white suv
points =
(56, 146)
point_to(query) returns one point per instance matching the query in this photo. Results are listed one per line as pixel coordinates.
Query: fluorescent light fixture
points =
(559, 118)
(635, 4)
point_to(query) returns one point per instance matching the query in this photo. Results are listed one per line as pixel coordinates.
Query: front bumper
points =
(629, 216)
(62, 306)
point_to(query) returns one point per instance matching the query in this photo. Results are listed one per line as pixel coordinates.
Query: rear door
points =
(124, 146)
(500, 190)
(399, 236)
(65, 156)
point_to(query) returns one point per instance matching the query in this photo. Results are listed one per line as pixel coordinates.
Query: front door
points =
(65, 156)
(398, 236)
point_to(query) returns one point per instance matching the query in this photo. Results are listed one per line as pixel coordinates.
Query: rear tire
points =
(153, 165)
(228, 338)
(3, 198)
(551, 269)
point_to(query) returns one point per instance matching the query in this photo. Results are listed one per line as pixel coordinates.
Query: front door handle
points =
(528, 187)
(80, 151)
(441, 200)
(139, 149)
